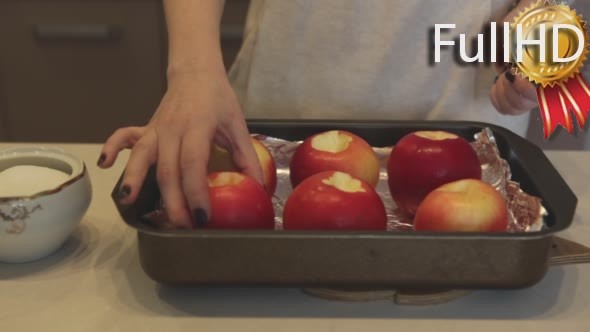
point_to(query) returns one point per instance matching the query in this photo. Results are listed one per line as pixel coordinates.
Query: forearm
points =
(193, 35)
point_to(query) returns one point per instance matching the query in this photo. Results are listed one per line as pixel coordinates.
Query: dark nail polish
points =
(101, 159)
(124, 191)
(200, 216)
(496, 79)
(510, 76)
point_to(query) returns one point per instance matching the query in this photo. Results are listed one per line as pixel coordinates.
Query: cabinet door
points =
(74, 71)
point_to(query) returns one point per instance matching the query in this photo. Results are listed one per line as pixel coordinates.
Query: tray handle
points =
(563, 252)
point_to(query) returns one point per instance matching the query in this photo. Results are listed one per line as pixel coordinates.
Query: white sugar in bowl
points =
(44, 194)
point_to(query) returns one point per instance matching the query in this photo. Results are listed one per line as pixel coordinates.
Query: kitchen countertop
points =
(95, 283)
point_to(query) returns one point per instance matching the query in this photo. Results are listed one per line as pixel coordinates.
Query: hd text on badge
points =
(555, 42)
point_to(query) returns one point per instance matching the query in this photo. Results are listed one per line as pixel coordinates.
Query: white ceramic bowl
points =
(33, 227)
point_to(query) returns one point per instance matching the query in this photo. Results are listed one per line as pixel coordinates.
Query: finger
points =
(143, 156)
(494, 99)
(194, 159)
(498, 98)
(243, 152)
(168, 176)
(525, 88)
(518, 101)
(123, 138)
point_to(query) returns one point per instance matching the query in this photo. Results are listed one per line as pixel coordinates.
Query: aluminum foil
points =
(526, 213)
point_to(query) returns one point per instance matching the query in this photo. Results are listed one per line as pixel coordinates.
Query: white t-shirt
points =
(364, 60)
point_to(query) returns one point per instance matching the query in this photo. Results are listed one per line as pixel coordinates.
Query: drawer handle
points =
(79, 32)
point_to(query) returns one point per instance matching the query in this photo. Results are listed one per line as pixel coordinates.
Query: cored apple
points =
(425, 160)
(463, 206)
(238, 202)
(334, 151)
(334, 201)
(220, 160)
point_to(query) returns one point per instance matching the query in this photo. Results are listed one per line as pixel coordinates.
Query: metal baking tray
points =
(408, 260)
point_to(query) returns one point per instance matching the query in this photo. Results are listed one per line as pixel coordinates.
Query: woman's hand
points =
(512, 94)
(197, 110)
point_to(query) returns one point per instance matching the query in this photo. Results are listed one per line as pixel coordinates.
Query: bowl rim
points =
(79, 169)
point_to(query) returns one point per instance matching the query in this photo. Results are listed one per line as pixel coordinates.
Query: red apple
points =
(334, 151)
(425, 160)
(239, 202)
(463, 206)
(220, 160)
(334, 201)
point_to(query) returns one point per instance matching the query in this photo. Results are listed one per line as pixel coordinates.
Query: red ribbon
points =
(556, 104)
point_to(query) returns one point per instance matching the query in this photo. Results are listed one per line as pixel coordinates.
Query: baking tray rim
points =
(381, 235)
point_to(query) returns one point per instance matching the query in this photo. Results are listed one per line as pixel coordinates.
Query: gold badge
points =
(549, 72)
(548, 46)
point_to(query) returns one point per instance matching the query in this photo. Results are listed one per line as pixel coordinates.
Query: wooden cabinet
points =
(75, 71)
